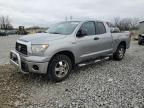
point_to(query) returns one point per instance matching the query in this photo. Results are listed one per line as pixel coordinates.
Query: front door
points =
(86, 45)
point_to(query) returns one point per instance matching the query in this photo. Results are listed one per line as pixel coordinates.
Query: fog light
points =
(35, 67)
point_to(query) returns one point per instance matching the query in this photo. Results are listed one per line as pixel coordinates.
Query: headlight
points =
(38, 48)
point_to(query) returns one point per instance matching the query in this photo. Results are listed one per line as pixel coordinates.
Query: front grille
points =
(21, 48)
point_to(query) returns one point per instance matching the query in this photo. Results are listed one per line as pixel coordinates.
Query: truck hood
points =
(41, 38)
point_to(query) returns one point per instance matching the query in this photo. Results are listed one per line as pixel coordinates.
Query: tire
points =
(120, 52)
(139, 42)
(59, 68)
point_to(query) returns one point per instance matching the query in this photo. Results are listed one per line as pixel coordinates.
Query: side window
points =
(89, 28)
(100, 28)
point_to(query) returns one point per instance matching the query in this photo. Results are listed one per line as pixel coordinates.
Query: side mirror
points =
(81, 33)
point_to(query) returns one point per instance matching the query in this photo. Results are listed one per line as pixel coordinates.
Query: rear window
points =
(100, 28)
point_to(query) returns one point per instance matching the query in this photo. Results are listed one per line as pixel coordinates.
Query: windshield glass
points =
(65, 28)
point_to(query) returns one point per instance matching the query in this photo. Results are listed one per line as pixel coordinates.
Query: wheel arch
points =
(123, 43)
(120, 43)
(68, 53)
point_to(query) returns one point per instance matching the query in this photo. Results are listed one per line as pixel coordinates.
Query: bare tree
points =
(117, 21)
(126, 23)
(5, 23)
(134, 23)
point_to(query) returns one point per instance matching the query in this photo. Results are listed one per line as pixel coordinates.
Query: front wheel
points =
(120, 52)
(59, 68)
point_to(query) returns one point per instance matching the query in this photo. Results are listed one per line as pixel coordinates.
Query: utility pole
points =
(66, 18)
(71, 18)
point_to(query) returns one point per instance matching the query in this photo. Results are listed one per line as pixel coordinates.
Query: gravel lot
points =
(108, 84)
(6, 44)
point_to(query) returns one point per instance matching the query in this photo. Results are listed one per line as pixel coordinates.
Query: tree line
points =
(126, 24)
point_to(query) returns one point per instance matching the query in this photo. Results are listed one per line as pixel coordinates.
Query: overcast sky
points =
(44, 12)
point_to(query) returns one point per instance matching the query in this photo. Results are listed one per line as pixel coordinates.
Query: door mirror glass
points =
(81, 33)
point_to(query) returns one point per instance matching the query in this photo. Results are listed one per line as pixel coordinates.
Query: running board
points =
(92, 62)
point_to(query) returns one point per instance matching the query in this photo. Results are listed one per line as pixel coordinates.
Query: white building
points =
(141, 27)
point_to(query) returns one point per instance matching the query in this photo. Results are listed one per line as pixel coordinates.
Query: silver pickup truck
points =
(67, 44)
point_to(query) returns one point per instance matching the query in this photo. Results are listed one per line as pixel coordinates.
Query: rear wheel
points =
(120, 52)
(60, 68)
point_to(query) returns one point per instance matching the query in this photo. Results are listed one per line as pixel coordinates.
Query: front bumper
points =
(25, 66)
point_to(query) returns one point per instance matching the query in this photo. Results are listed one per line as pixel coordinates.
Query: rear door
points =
(105, 41)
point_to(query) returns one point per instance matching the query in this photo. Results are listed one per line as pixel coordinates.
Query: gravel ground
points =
(108, 84)
(6, 44)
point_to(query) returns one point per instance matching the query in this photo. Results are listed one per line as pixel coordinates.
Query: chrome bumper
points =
(27, 66)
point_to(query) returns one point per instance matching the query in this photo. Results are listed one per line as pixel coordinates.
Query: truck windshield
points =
(64, 28)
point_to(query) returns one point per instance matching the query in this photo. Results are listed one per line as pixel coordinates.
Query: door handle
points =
(96, 38)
